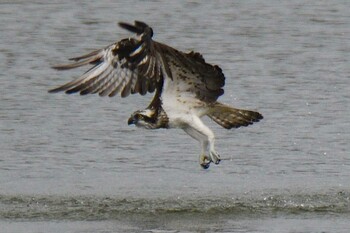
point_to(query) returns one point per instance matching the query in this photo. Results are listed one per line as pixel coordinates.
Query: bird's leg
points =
(205, 136)
(214, 156)
(204, 160)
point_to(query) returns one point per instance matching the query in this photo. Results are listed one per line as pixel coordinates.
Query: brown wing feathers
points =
(209, 79)
(138, 65)
(125, 67)
(88, 58)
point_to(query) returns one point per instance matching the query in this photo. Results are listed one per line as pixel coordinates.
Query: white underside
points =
(184, 111)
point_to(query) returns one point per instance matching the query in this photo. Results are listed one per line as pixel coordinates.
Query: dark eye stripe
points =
(149, 119)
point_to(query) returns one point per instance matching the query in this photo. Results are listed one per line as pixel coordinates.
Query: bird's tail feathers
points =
(229, 117)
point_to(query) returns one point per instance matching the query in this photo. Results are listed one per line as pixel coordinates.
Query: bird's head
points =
(144, 118)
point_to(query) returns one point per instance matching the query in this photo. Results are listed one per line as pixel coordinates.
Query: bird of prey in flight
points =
(186, 86)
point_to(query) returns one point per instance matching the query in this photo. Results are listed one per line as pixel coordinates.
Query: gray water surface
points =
(66, 159)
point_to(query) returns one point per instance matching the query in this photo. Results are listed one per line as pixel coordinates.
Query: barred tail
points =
(229, 117)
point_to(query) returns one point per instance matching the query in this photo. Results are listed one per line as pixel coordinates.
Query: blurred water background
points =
(72, 164)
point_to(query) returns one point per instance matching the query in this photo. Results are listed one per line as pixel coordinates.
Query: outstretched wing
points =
(192, 76)
(129, 66)
(139, 65)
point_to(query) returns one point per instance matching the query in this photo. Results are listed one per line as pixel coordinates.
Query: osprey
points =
(186, 87)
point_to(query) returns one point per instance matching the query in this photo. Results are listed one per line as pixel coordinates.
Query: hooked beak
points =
(131, 121)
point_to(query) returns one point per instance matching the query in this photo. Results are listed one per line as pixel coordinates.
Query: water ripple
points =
(109, 208)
